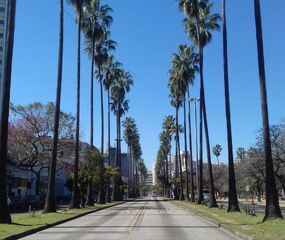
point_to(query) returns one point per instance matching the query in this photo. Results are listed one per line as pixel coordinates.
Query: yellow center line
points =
(136, 219)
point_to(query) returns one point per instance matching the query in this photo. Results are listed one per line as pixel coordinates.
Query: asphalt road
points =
(143, 219)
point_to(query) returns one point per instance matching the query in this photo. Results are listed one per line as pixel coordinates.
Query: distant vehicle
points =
(154, 193)
(206, 194)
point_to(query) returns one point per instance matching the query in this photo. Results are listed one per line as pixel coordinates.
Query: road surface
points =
(143, 219)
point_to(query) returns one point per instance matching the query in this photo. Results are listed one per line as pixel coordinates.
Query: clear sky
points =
(148, 32)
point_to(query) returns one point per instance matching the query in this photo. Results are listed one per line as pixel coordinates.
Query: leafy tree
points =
(30, 140)
(241, 153)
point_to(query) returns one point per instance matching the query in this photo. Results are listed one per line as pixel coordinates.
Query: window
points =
(2, 22)
(2, 10)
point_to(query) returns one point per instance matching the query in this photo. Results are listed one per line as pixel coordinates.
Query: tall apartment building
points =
(3, 29)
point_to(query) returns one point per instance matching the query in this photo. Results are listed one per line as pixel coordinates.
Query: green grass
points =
(245, 225)
(25, 222)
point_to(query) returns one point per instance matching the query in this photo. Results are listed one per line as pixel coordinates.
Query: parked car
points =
(206, 195)
(34, 201)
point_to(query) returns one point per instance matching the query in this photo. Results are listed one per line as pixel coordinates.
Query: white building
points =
(149, 179)
(3, 32)
(154, 178)
(171, 164)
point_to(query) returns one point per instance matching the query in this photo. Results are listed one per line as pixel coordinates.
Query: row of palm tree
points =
(132, 138)
(93, 20)
(199, 24)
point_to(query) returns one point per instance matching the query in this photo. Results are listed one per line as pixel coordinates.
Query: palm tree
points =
(50, 205)
(190, 148)
(233, 200)
(75, 198)
(199, 23)
(111, 69)
(168, 126)
(102, 54)
(96, 20)
(103, 47)
(119, 106)
(130, 132)
(136, 156)
(165, 145)
(272, 209)
(4, 114)
(217, 149)
(184, 64)
(176, 101)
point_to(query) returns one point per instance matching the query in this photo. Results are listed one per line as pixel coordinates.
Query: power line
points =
(148, 84)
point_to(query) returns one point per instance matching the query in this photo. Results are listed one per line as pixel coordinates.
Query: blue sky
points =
(148, 32)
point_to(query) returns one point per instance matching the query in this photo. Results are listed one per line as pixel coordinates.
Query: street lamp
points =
(196, 100)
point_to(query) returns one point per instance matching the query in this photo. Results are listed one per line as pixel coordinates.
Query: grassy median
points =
(242, 224)
(24, 222)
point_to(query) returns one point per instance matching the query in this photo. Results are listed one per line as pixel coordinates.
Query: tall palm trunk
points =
(181, 194)
(4, 114)
(186, 150)
(109, 127)
(200, 191)
(201, 185)
(167, 177)
(133, 175)
(164, 179)
(272, 209)
(50, 205)
(75, 198)
(176, 197)
(233, 201)
(190, 149)
(101, 197)
(212, 199)
(108, 195)
(92, 95)
(102, 111)
(129, 171)
(197, 153)
(117, 180)
(89, 185)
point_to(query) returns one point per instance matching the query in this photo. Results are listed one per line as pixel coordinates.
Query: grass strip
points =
(250, 227)
(26, 222)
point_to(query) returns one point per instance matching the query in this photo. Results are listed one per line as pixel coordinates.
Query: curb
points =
(38, 229)
(225, 227)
